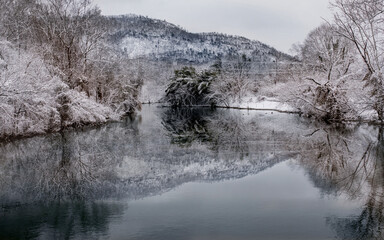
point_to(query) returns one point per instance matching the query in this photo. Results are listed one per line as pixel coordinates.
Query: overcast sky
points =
(278, 23)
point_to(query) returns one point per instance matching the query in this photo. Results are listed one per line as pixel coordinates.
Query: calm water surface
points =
(196, 174)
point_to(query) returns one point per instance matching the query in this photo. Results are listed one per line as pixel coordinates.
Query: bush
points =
(189, 88)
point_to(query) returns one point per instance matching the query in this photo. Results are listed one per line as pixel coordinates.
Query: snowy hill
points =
(139, 36)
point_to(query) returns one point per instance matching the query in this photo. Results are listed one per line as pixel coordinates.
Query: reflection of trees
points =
(370, 168)
(231, 135)
(52, 176)
(186, 125)
(241, 135)
(129, 160)
(221, 132)
(325, 153)
(350, 162)
(368, 225)
(63, 166)
(49, 185)
(63, 220)
(136, 159)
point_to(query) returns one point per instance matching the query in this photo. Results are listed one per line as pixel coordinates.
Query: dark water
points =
(196, 174)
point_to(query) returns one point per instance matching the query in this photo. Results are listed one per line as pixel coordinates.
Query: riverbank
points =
(261, 104)
(250, 103)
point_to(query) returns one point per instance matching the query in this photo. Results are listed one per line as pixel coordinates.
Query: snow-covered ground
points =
(261, 103)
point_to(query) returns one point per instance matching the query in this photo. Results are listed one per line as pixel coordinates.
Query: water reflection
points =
(364, 178)
(57, 220)
(186, 125)
(61, 186)
(232, 135)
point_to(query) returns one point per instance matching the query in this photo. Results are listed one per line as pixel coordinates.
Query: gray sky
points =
(278, 23)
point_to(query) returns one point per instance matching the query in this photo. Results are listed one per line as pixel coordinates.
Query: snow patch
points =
(261, 103)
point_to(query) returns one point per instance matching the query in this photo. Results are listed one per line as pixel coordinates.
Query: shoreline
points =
(83, 127)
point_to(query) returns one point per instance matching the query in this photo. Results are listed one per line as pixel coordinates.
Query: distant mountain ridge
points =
(139, 36)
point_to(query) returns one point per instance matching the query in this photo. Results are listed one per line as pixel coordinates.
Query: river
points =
(196, 174)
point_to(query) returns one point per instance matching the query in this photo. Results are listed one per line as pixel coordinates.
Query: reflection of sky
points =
(279, 203)
(279, 23)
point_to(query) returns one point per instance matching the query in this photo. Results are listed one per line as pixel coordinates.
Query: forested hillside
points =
(140, 36)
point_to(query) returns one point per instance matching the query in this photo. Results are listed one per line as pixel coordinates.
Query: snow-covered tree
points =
(234, 80)
(327, 52)
(361, 22)
(64, 72)
(67, 31)
(33, 101)
(15, 21)
(326, 59)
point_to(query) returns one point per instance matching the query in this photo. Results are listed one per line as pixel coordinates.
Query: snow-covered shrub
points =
(33, 101)
(374, 84)
(189, 88)
(76, 109)
(324, 101)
